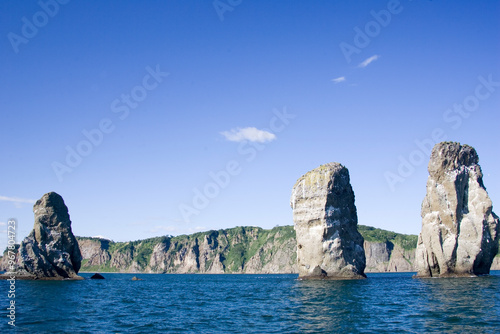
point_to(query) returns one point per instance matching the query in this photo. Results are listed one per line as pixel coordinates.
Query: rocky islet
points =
(51, 250)
(329, 245)
(460, 232)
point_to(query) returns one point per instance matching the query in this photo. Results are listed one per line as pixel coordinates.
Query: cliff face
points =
(387, 251)
(249, 250)
(325, 222)
(237, 250)
(273, 251)
(387, 257)
(460, 233)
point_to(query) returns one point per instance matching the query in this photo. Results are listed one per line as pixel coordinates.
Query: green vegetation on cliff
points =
(372, 234)
(244, 243)
(235, 250)
(106, 268)
(238, 249)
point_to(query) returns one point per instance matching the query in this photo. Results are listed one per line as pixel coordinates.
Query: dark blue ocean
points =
(390, 303)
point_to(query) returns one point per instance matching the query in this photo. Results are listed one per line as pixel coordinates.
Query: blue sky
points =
(251, 93)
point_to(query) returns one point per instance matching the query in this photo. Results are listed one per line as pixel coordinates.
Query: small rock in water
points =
(97, 276)
(136, 279)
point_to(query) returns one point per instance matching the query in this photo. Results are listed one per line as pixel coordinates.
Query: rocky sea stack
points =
(329, 245)
(51, 250)
(459, 230)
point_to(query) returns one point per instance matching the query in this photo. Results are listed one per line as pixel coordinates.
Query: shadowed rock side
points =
(325, 220)
(50, 251)
(459, 230)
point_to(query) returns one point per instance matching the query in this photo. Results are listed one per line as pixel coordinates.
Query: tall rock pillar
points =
(459, 230)
(50, 251)
(329, 245)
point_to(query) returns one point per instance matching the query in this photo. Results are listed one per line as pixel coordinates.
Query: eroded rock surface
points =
(325, 220)
(50, 251)
(459, 230)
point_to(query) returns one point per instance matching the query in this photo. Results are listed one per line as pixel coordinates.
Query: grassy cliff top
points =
(372, 234)
(144, 247)
(369, 233)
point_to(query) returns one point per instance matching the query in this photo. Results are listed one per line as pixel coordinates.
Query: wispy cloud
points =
(339, 79)
(250, 134)
(3, 224)
(368, 61)
(17, 200)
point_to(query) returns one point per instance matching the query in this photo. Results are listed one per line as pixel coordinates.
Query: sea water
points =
(393, 302)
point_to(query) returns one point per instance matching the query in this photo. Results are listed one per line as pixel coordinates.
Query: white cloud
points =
(339, 79)
(17, 200)
(3, 224)
(250, 134)
(368, 61)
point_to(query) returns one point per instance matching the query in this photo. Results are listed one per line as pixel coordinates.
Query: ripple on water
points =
(257, 304)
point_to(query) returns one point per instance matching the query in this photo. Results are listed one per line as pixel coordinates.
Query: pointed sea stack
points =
(459, 230)
(329, 245)
(50, 251)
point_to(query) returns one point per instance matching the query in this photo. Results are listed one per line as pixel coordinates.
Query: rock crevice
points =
(459, 230)
(51, 250)
(325, 220)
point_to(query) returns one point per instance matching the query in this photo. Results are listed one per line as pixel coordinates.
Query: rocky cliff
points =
(385, 251)
(460, 232)
(51, 250)
(325, 220)
(237, 250)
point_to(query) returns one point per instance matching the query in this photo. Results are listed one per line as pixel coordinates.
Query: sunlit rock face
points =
(459, 230)
(329, 245)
